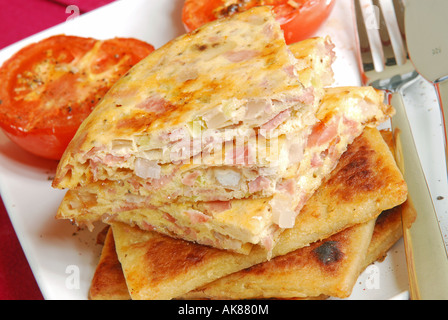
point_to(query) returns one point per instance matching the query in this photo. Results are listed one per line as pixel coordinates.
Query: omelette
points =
(249, 165)
(238, 224)
(229, 78)
(365, 183)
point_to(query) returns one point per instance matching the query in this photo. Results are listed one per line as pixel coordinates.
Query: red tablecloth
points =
(18, 20)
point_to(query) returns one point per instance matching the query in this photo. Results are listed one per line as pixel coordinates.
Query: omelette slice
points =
(226, 79)
(239, 224)
(365, 183)
(251, 165)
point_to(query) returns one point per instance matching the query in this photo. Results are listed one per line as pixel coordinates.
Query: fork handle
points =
(426, 255)
(442, 95)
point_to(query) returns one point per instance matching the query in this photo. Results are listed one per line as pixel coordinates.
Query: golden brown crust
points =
(175, 257)
(362, 171)
(329, 267)
(388, 230)
(108, 282)
(178, 267)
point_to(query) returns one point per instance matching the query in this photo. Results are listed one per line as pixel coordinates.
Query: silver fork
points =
(385, 65)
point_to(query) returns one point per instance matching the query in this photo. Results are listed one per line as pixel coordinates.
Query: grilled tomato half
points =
(49, 87)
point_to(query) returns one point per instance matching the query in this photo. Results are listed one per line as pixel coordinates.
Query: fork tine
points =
(364, 45)
(368, 20)
(370, 53)
(393, 29)
(399, 13)
(388, 51)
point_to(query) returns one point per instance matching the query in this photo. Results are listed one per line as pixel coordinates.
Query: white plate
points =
(63, 259)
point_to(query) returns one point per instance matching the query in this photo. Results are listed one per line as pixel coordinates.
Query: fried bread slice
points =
(328, 267)
(109, 283)
(389, 225)
(365, 183)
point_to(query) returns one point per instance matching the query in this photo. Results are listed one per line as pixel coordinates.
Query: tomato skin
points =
(47, 88)
(312, 15)
(195, 13)
(298, 23)
(44, 143)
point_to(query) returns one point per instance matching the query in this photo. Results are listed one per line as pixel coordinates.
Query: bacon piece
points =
(126, 206)
(190, 178)
(304, 197)
(148, 227)
(154, 104)
(155, 184)
(169, 217)
(290, 71)
(197, 216)
(240, 56)
(287, 186)
(308, 96)
(322, 133)
(316, 161)
(277, 120)
(178, 134)
(258, 184)
(267, 243)
(241, 155)
(268, 31)
(91, 154)
(134, 182)
(218, 206)
(110, 159)
(351, 127)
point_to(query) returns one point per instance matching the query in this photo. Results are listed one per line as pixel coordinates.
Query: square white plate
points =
(63, 258)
